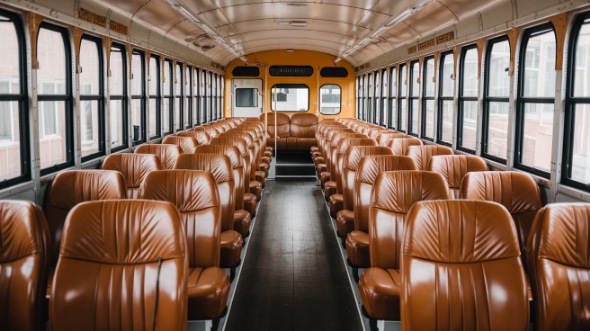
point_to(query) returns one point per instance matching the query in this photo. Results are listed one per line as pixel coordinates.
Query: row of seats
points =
(206, 177)
(293, 133)
(381, 186)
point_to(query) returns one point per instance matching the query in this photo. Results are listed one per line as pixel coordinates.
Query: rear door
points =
(246, 97)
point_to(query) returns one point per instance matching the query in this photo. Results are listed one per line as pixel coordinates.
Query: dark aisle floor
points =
(293, 277)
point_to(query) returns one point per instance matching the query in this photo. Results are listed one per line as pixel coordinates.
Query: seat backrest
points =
(385, 136)
(394, 193)
(246, 155)
(303, 125)
(24, 265)
(72, 187)
(134, 167)
(235, 159)
(282, 124)
(461, 268)
(166, 152)
(369, 168)
(195, 195)
(334, 143)
(198, 133)
(454, 167)
(423, 154)
(516, 191)
(558, 264)
(400, 146)
(350, 162)
(221, 169)
(342, 149)
(187, 144)
(119, 260)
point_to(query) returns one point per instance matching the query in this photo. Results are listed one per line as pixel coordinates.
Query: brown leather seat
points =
(331, 186)
(400, 146)
(187, 144)
(24, 266)
(134, 167)
(195, 195)
(282, 127)
(166, 152)
(221, 169)
(303, 127)
(385, 137)
(114, 269)
(350, 162)
(242, 218)
(423, 154)
(357, 242)
(454, 167)
(516, 191)
(393, 195)
(72, 187)
(461, 268)
(198, 133)
(559, 267)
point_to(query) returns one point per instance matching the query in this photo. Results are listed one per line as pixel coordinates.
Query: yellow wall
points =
(316, 60)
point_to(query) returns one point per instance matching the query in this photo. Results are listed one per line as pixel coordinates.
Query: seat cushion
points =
(345, 222)
(242, 220)
(329, 189)
(260, 177)
(380, 293)
(324, 177)
(336, 204)
(256, 189)
(357, 249)
(231, 248)
(319, 159)
(250, 204)
(207, 293)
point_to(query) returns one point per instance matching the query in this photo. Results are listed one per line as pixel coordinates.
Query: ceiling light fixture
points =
(219, 39)
(388, 25)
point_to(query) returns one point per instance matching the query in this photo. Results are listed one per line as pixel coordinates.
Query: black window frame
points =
(376, 99)
(98, 97)
(158, 96)
(209, 88)
(442, 98)
(141, 97)
(392, 98)
(122, 99)
(411, 98)
(426, 98)
(383, 96)
(339, 99)
(67, 98)
(23, 104)
(179, 95)
(461, 99)
(487, 100)
(402, 86)
(358, 96)
(188, 84)
(169, 98)
(522, 101)
(570, 103)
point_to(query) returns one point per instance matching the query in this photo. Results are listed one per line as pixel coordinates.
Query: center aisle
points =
(293, 277)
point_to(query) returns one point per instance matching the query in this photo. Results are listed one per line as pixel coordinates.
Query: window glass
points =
(12, 104)
(290, 97)
(445, 103)
(496, 106)
(188, 111)
(402, 123)
(537, 101)
(178, 106)
(330, 99)
(414, 94)
(137, 107)
(468, 100)
(54, 121)
(154, 98)
(392, 100)
(428, 99)
(118, 100)
(91, 110)
(196, 100)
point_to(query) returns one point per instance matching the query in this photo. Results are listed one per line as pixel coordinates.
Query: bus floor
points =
(293, 277)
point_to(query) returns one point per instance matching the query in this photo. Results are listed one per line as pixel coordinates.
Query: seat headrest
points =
(232, 152)
(218, 165)
(189, 190)
(422, 154)
(562, 234)
(304, 119)
(187, 144)
(516, 191)
(134, 167)
(385, 136)
(454, 167)
(22, 226)
(400, 146)
(123, 232)
(354, 154)
(397, 191)
(282, 119)
(335, 141)
(348, 142)
(460, 231)
(198, 133)
(236, 142)
(372, 165)
(166, 152)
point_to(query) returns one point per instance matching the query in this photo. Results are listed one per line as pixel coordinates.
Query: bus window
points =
(467, 119)
(138, 97)
(446, 91)
(392, 117)
(496, 105)
(402, 123)
(179, 117)
(91, 98)
(413, 111)
(536, 101)
(54, 99)
(154, 98)
(118, 97)
(383, 104)
(14, 150)
(330, 99)
(428, 99)
(290, 97)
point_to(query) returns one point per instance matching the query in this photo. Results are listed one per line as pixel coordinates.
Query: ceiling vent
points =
(295, 24)
(207, 47)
